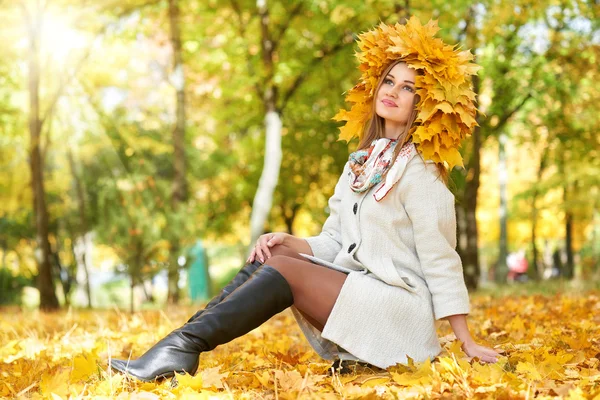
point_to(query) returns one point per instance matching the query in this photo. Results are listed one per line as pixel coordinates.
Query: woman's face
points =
(394, 100)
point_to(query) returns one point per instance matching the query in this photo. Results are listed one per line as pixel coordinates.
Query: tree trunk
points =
(173, 275)
(45, 283)
(179, 191)
(263, 199)
(470, 253)
(537, 272)
(501, 267)
(83, 229)
(467, 208)
(289, 216)
(86, 270)
(569, 267)
(131, 295)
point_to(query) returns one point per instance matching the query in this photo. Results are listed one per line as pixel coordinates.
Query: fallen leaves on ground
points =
(550, 344)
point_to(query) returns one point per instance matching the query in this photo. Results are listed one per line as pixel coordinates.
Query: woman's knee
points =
(282, 250)
(279, 261)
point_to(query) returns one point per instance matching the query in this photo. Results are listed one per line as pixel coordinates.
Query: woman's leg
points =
(315, 288)
(243, 275)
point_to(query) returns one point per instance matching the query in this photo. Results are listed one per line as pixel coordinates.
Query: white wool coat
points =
(405, 274)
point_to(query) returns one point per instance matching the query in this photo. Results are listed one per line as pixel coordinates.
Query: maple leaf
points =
(422, 375)
(264, 378)
(529, 370)
(56, 383)
(289, 380)
(83, 366)
(188, 381)
(212, 378)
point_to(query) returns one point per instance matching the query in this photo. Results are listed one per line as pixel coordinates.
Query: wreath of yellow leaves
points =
(446, 106)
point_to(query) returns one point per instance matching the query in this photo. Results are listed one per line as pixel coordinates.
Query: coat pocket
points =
(400, 279)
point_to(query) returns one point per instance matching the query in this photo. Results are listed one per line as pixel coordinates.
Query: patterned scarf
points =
(368, 166)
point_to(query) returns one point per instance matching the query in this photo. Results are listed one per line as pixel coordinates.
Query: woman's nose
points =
(393, 92)
(396, 90)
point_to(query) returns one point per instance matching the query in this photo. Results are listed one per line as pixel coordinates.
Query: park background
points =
(134, 133)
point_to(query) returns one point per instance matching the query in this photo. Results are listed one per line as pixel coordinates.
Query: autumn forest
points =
(145, 145)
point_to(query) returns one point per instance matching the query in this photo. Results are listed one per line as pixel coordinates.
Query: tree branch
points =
(306, 71)
(242, 31)
(277, 38)
(504, 119)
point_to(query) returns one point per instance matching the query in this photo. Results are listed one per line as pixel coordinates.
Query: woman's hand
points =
(485, 354)
(264, 243)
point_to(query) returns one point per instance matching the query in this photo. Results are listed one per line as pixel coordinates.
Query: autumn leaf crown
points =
(446, 109)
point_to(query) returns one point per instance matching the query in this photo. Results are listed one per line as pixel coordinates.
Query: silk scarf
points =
(368, 166)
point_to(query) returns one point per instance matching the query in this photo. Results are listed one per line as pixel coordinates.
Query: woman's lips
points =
(389, 103)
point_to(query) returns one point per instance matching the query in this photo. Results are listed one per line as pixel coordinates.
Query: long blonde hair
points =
(374, 128)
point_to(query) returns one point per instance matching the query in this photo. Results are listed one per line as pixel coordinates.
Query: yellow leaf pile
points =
(446, 107)
(550, 344)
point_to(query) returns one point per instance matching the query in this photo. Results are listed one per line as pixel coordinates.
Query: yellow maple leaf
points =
(289, 380)
(55, 382)
(456, 348)
(264, 378)
(422, 375)
(193, 382)
(529, 370)
(212, 378)
(84, 365)
(485, 373)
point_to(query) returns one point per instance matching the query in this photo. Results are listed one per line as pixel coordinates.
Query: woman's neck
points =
(393, 129)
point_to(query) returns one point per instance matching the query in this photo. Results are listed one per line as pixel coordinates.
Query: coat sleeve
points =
(328, 243)
(430, 207)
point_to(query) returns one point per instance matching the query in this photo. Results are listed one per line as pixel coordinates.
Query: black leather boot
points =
(241, 277)
(263, 295)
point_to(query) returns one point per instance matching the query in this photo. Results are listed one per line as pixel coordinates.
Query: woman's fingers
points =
(492, 352)
(251, 256)
(274, 239)
(265, 247)
(259, 253)
(262, 248)
(268, 241)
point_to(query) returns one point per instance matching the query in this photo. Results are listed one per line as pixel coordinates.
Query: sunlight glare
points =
(59, 39)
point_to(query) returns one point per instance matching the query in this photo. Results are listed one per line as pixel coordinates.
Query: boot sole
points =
(160, 377)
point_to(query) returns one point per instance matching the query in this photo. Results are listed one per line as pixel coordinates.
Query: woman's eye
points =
(409, 88)
(387, 80)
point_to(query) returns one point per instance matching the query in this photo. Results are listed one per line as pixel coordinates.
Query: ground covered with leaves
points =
(551, 347)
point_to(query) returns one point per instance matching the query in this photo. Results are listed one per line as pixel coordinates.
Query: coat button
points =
(352, 246)
(355, 208)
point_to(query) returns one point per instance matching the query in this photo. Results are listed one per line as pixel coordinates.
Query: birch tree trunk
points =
(263, 200)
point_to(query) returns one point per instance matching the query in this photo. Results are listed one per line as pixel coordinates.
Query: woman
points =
(384, 268)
